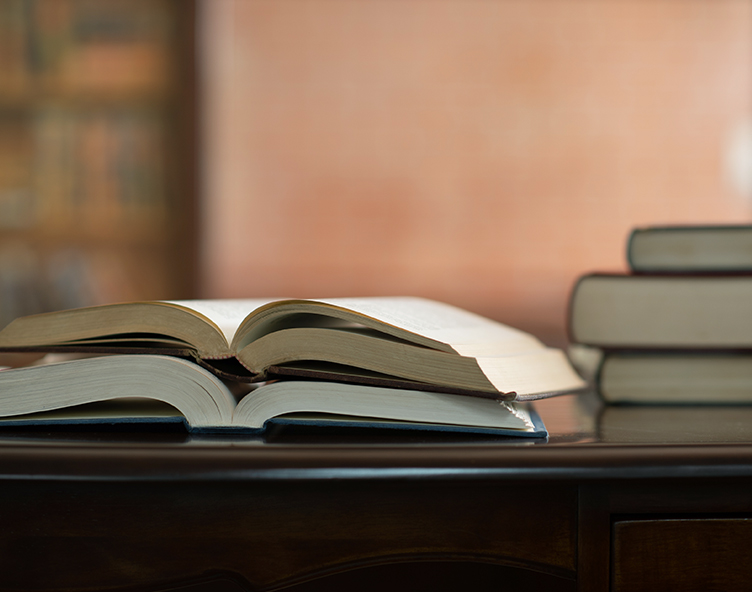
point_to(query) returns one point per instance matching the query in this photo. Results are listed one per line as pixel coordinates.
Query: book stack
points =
(244, 365)
(678, 327)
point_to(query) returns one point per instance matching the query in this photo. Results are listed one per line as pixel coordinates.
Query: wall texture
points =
(483, 152)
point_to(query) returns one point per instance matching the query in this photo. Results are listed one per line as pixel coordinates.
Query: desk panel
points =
(93, 536)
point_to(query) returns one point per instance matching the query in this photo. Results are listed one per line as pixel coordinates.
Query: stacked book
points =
(678, 327)
(245, 365)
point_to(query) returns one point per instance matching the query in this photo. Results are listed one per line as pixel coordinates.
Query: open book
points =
(68, 392)
(398, 342)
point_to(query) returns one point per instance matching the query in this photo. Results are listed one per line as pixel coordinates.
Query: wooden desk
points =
(617, 499)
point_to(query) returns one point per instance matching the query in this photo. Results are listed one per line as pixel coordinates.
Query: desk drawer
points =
(682, 554)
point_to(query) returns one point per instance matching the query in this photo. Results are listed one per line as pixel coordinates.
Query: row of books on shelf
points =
(79, 46)
(96, 169)
(35, 281)
(677, 328)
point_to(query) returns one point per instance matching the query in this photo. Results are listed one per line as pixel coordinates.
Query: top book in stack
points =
(690, 249)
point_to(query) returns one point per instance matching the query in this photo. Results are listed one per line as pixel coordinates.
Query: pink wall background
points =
(482, 152)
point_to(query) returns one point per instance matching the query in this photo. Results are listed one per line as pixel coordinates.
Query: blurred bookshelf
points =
(97, 153)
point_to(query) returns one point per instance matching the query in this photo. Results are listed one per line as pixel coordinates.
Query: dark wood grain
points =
(683, 554)
(593, 535)
(108, 535)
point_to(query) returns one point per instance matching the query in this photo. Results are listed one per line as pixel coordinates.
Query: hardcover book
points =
(685, 249)
(145, 388)
(662, 311)
(399, 342)
(688, 377)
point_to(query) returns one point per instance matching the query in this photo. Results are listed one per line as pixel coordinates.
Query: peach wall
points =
(483, 152)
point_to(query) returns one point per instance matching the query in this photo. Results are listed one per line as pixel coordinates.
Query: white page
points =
(468, 334)
(227, 314)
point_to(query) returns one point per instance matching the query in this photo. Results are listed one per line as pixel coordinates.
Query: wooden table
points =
(616, 499)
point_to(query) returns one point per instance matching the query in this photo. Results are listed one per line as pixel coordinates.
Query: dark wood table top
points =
(587, 441)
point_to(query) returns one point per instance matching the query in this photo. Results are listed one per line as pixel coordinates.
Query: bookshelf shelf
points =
(140, 234)
(96, 152)
(31, 99)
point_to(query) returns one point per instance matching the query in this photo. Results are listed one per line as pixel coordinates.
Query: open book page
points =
(225, 314)
(467, 333)
(532, 374)
(196, 393)
(376, 402)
